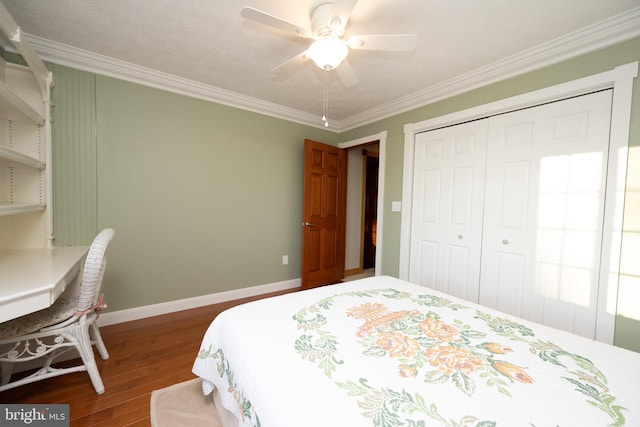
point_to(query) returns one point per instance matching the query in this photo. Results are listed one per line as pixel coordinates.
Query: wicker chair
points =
(68, 324)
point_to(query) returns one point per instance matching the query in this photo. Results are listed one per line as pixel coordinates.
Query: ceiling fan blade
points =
(396, 42)
(342, 9)
(347, 74)
(273, 21)
(289, 65)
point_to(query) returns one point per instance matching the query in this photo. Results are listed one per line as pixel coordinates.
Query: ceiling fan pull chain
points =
(325, 101)
(324, 98)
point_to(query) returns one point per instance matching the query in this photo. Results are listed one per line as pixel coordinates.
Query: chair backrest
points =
(94, 267)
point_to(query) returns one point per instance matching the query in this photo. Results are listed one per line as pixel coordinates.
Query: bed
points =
(384, 352)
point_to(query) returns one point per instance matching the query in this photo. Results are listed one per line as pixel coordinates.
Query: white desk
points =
(32, 279)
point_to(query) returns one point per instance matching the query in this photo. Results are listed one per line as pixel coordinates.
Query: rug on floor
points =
(183, 404)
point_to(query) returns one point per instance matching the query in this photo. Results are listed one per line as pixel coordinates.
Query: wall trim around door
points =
(621, 80)
(382, 137)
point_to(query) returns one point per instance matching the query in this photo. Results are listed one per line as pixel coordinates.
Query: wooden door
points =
(323, 214)
(446, 225)
(544, 207)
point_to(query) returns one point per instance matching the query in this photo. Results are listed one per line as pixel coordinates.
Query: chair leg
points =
(97, 341)
(6, 369)
(83, 345)
(94, 374)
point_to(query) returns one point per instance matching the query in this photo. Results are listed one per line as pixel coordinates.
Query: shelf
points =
(14, 104)
(26, 217)
(19, 208)
(13, 32)
(11, 158)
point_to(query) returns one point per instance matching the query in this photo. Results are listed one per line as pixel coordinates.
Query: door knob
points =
(505, 242)
(308, 224)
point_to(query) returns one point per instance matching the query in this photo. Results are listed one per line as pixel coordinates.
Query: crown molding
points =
(605, 33)
(597, 36)
(84, 60)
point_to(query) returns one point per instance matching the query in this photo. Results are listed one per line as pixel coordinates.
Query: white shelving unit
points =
(25, 146)
(33, 273)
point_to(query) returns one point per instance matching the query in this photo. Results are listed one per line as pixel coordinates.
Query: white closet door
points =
(543, 212)
(446, 228)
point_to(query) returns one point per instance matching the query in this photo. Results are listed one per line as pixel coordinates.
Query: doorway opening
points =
(362, 210)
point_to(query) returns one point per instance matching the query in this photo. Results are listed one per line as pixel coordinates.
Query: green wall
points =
(74, 156)
(206, 198)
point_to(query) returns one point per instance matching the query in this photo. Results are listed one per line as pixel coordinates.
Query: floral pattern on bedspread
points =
(471, 352)
(244, 406)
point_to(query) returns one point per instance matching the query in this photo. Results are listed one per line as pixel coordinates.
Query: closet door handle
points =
(505, 242)
(308, 224)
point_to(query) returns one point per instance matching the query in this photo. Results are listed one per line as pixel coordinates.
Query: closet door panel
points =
(430, 197)
(509, 279)
(427, 266)
(449, 167)
(459, 282)
(514, 185)
(544, 205)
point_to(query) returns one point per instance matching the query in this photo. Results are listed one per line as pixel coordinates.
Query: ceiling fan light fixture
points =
(328, 53)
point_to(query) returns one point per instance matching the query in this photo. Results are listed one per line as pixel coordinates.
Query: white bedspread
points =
(384, 352)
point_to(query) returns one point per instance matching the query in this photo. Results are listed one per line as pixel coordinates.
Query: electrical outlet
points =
(285, 259)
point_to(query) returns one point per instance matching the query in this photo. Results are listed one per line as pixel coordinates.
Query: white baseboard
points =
(112, 318)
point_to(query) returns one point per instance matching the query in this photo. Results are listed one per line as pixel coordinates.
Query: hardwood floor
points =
(145, 355)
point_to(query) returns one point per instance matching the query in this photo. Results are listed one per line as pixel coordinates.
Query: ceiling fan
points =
(330, 48)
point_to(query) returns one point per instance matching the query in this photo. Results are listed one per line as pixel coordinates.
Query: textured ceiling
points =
(208, 42)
